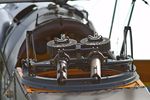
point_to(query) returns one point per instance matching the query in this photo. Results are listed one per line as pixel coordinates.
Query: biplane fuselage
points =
(52, 52)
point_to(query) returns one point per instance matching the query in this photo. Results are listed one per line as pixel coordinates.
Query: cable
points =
(2, 58)
(127, 28)
(112, 22)
(145, 2)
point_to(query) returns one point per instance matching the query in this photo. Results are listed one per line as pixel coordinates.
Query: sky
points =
(100, 13)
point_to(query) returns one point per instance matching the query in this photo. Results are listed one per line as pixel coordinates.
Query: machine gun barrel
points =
(61, 71)
(96, 68)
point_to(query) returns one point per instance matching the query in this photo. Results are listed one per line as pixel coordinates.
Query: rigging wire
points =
(145, 2)
(113, 17)
(127, 28)
(5, 64)
(124, 45)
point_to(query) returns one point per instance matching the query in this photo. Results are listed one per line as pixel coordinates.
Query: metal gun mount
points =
(88, 64)
(67, 52)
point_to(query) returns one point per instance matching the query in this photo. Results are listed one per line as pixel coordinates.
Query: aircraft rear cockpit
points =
(55, 49)
(64, 53)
